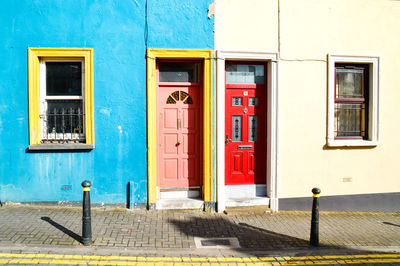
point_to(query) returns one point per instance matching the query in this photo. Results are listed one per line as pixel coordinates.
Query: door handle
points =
(227, 140)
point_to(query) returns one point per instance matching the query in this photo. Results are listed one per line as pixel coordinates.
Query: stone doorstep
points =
(247, 210)
(180, 204)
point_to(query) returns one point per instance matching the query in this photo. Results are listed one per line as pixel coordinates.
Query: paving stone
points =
(38, 225)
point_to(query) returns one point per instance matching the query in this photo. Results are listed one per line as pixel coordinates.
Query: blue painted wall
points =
(118, 33)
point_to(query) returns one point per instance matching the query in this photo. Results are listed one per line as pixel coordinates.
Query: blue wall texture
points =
(119, 33)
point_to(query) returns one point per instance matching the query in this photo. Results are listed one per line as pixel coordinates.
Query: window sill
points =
(351, 143)
(58, 147)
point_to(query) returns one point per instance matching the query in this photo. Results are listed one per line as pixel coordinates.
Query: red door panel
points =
(237, 163)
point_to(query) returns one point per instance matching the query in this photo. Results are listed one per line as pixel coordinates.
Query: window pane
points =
(253, 74)
(63, 78)
(64, 119)
(349, 120)
(349, 83)
(179, 72)
(253, 128)
(236, 128)
(253, 101)
(236, 101)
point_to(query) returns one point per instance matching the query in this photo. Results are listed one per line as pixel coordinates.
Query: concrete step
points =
(247, 210)
(180, 204)
(247, 201)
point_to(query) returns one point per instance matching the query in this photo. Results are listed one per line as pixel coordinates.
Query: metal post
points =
(86, 218)
(314, 235)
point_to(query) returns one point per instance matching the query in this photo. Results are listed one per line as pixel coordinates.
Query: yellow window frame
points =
(34, 57)
(206, 56)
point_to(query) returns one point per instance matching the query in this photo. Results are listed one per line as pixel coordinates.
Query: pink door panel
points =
(189, 144)
(170, 146)
(171, 116)
(171, 169)
(189, 118)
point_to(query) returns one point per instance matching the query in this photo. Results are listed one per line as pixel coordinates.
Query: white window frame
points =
(373, 101)
(43, 99)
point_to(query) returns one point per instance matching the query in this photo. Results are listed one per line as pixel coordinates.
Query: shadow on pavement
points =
(248, 236)
(62, 228)
(255, 241)
(391, 224)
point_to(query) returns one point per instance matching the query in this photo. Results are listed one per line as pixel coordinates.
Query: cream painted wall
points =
(244, 24)
(309, 31)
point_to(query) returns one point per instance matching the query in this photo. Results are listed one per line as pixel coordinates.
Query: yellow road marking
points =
(362, 256)
(211, 259)
(96, 262)
(132, 260)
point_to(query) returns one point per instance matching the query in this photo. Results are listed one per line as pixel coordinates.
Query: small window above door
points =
(244, 73)
(179, 72)
(179, 95)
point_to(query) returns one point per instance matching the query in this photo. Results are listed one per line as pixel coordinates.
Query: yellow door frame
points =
(152, 56)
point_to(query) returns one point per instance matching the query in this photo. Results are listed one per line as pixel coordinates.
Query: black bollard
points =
(86, 218)
(314, 235)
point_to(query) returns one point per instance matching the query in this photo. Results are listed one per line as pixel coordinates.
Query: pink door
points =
(178, 130)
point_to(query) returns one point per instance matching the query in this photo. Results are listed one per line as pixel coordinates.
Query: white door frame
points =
(271, 59)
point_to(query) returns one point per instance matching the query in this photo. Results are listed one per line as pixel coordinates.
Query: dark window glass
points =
(63, 78)
(179, 96)
(179, 72)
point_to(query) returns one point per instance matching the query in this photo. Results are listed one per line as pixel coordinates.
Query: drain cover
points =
(215, 242)
(220, 242)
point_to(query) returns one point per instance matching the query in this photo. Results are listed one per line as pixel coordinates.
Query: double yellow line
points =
(61, 259)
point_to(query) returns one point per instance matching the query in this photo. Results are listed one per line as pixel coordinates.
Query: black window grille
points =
(64, 122)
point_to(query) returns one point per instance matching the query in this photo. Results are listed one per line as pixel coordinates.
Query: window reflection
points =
(179, 72)
(238, 73)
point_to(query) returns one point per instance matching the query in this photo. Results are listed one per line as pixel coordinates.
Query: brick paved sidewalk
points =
(34, 226)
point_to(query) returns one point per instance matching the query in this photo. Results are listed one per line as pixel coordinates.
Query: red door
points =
(245, 124)
(178, 132)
